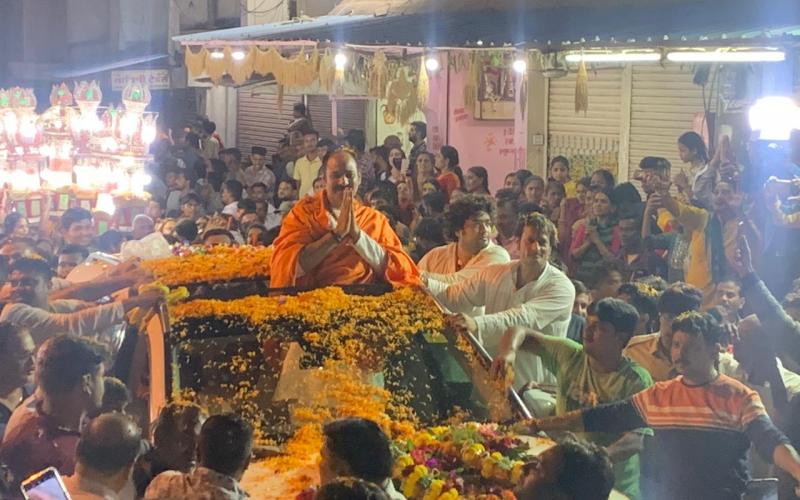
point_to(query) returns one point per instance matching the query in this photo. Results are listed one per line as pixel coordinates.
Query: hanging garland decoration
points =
(241, 70)
(475, 66)
(582, 89)
(327, 73)
(423, 85)
(216, 66)
(523, 88)
(401, 97)
(266, 62)
(195, 61)
(378, 75)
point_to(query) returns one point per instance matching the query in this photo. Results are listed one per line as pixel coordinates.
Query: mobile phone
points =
(45, 485)
(404, 166)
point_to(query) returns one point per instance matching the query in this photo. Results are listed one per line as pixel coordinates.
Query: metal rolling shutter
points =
(664, 102)
(260, 122)
(350, 114)
(589, 140)
(319, 106)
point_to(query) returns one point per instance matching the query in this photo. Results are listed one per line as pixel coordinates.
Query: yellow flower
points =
(220, 263)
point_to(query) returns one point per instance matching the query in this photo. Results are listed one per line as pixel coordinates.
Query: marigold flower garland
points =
(197, 264)
(440, 463)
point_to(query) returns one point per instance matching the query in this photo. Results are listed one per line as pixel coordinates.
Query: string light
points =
(520, 66)
(432, 64)
(340, 60)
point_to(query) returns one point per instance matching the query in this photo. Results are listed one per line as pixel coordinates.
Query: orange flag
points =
(308, 222)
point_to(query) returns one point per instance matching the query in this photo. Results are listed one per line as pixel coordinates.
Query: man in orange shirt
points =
(332, 239)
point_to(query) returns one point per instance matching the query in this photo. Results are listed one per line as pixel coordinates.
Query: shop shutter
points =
(589, 140)
(319, 106)
(351, 114)
(664, 103)
(260, 121)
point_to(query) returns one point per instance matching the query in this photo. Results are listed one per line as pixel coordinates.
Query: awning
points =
(66, 71)
(722, 21)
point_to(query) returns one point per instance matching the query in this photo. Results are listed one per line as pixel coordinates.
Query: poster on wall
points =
(496, 89)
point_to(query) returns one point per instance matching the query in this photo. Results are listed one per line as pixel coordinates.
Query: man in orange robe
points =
(332, 239)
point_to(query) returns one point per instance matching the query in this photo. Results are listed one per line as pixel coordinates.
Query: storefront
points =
(476, 99)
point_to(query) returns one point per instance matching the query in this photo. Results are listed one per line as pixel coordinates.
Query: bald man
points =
(107, 450)
(332, 239)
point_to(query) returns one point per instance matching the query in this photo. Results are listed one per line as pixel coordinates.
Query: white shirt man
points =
(472, 252)
(529, 292)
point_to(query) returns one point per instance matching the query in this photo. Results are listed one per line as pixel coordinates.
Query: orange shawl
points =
(308, 222)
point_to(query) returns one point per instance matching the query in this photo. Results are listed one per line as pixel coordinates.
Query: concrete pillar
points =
(221, 109)
(537, 117)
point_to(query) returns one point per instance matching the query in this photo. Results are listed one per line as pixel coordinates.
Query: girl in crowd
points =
(450, 177)
(572, 210)
(697, 187)
(405, 202)
(601, 180)
(559, 172)
(396, 157)
(523, 175)
(15, 226)
(476, 181)
(534, 190)
(424, 171)
(512, 182)
(597, 238)
(554, 195)
(383, 170)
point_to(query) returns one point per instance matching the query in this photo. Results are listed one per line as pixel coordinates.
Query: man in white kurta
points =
(469, 221)
(529, 292)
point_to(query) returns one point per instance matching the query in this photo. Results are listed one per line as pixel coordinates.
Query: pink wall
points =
(499, 146)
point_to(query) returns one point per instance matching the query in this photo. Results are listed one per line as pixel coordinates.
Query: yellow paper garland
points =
(195, 62)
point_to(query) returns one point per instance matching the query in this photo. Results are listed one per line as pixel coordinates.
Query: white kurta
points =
(440, 264)
(544, 305)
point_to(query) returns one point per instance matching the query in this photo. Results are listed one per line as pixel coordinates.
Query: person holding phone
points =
(712, 233)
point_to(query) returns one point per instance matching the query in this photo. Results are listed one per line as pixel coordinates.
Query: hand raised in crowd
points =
(654, 202)
(461, 322)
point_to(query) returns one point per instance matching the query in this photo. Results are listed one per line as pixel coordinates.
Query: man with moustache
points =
(330, 238)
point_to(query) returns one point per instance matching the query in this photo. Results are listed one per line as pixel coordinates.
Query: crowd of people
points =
(658, 322)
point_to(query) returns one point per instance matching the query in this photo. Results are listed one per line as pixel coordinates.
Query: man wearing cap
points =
(258, 171)
(331, 238)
